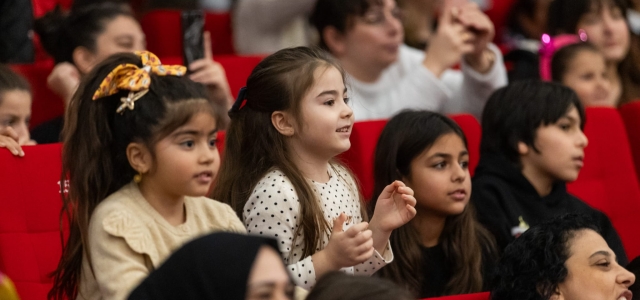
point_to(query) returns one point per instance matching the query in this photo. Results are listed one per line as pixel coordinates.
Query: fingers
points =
(338, 223)
(11, 145)
(356, 229)
(206, 43)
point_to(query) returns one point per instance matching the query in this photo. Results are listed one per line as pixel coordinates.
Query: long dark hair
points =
(94, 153)
(61, 33)
(253, 146)
(405, 137)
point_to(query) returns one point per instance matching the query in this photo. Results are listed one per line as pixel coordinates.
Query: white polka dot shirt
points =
(273, 209)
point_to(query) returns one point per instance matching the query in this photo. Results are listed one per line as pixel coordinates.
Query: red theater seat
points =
(237, 68)
(608, 179)
(364, 138)
(30, 245)
(630, 113)
(359, 158)
(46, 105)
(163, 29)
(473, 133)
(476, 296)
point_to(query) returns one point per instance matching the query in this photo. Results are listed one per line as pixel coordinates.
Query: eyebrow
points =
(192, 132)
(445, 155)
(332, 93)
(601, 252)
(570, 118)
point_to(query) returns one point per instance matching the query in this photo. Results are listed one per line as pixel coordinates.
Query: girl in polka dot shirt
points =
(280, 176)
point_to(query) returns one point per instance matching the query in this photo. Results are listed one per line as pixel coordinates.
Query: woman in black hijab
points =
(220, 266)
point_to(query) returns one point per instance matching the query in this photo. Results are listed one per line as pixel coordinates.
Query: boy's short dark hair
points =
(514, 113)
(336, 13)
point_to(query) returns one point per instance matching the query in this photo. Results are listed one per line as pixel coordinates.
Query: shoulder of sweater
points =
(211, 208)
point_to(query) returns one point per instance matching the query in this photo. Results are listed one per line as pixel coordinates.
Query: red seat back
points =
(30, 245)
(163, 29)
(46, 105)
(476, 296)
(359, 158)
(473, 133)
(608, 180)
(237, 68)
(630, 113)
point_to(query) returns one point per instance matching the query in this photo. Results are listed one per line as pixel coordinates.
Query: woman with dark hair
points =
(564, 258)
(443, 250)
(606, 27)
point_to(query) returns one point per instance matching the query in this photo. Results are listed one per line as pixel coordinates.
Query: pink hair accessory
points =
(550, 45)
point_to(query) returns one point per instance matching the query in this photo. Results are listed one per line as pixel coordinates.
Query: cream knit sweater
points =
(128, 239)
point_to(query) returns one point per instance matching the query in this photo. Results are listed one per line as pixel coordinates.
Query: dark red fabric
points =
(608, 179)
(630, 113)
(236, 67)
(30, 245)
(46, 105)
(164, 32)
(473, 133)
(477, 296)
(41, 7)
(359, 158)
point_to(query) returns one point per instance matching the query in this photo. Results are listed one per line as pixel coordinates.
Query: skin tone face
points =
(122, 34)
(185, 164)
(326, 119)
(560, 153)
(440, 177)
(593, 272)
(587, 75)
(15, 112)
(608, 31)
(268, 279)
(374, 38)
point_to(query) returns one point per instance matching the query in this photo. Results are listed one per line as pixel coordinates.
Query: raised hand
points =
(451, 41)
(211, 74)
(471, 17)
(64, 81)
(394, 208)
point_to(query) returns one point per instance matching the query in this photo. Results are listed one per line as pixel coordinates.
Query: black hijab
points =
(216, 266)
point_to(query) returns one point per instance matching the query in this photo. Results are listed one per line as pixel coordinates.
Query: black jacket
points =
(507, 203)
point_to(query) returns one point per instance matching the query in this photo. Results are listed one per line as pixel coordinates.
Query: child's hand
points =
(9, 139)
(351, 247)
(395, 207)
(211, 74)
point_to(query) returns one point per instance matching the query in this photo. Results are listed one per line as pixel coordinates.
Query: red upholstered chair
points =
(359, 158)
(30, 245)
(46, 105)
(608, 179)
(220, 142)
(237, 68)
(163, 29)
(476, 296)
(473, 133)
(630, 113)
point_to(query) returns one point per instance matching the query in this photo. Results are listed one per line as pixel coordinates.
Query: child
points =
(532, 144)
(15, 111)
(280, 176)
(387, 76)
(139, 154)
(338, 285)
(582, 67)
(443, 250)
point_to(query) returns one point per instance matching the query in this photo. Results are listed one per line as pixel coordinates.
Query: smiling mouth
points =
(344, 129)
(206, 175)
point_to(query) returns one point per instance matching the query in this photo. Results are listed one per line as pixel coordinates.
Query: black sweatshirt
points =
(507, 204)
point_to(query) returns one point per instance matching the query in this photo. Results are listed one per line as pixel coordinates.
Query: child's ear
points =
(335, 40)
(139, 157)
(84, 59)
(283, 122)
(523, 148)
